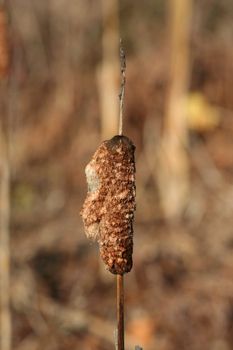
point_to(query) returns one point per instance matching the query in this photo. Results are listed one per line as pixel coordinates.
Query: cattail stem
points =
(122, 90)
(120, 313)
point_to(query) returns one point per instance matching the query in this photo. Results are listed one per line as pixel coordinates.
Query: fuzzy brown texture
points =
(108, 210)
(4, 44)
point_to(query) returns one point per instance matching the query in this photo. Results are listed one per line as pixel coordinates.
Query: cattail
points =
(4, 44)
(108, 210)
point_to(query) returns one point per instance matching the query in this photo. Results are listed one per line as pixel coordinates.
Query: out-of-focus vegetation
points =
(180, 293)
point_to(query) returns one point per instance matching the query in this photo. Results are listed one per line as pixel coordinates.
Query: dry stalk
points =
(120, 313)
(5, 316)
(108, 77)
(4, 44)
(173, 169)
(122, 90)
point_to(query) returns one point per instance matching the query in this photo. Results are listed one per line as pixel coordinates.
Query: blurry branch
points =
(5, 316)
(173, 170)
(4, 44)
(5, 313)
(108, 75)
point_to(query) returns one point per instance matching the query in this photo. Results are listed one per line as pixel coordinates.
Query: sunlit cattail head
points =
(108, 211)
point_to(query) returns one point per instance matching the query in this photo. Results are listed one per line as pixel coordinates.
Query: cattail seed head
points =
(108, 210)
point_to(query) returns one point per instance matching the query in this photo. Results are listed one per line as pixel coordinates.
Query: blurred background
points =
(59, 101)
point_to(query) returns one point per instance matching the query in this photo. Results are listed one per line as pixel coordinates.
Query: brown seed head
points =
(108, 210)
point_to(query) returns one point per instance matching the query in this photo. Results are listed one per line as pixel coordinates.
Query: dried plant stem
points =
(120, 313)
(5, 313)
(122, 90)
(173, 168)
(5, 316)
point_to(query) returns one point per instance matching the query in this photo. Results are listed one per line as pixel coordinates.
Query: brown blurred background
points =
(59, 101)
